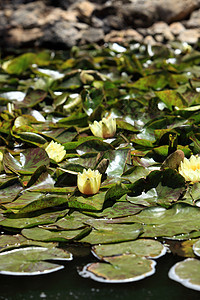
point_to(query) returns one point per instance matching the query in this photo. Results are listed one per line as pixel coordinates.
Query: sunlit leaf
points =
(120, 269)
(187, 273)
(32, 261)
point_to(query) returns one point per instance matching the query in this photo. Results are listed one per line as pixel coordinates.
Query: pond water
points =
(67, 284)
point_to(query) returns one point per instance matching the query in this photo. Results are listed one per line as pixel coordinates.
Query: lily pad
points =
(196, 248)
(40, 234)
(46, 218)
(120, 269)
(120, 209)
(9, 242)
(141, 247)
(9, 193)
(75, 220)
(32, 98)
(94, 202)
(111, 233)
(32, 261)
(30, 160)
(158, 221)
(117, 160)
(19, 64)
(187, 272)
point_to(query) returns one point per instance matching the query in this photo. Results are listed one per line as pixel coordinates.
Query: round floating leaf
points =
(187, 272)
(24, 199)
(196, 248)
(111, 233)
(32, 261)
(141, 247)
(7, 180)
(117, 160)
(46, 218)
(120, 269)
(93, 145)
(94, 202)
(30, 160)
(32, 98)
(19, 64)
(42, 203)
(39, 234)
(8, 242)
(158, 221)
(171, 98)
(75, 220)
(120, 209)
(126, 126)
(9, 193)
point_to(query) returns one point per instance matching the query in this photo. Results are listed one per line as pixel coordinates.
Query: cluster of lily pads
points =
(99, 146)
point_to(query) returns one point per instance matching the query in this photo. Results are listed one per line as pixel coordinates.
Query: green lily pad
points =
(120, 269)
(117, 160)
(32, 261)
(75, 220)
(155, 81)
(32, 98)
(103, 233)
(120, 209)
(19, 64)
(8, 242)
(30, 160)
(9, 193)
(94, 202)
(187, 272)
(141, 247)
(196, 248)
(171, 98)
(158, 221)
(7, 180)
(40, 234)
(40, 180)
(24, 199)
(47, 201)
(21, 223)
(161, 195)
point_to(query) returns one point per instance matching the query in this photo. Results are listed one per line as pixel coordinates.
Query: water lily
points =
(1, 162)
(106, 128)
(190, 168)
(89, 181)
(55, 151)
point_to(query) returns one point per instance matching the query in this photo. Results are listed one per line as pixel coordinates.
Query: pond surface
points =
(67, 284)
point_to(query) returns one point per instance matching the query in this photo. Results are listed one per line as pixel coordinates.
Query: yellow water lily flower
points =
(55, 151)
(190, 168)
(89, 182)
(106, 128)
(1, 162)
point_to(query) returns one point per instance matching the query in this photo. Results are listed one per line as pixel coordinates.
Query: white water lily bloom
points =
(89, 181)
(55, 151)
(106, 128)
(190, 168)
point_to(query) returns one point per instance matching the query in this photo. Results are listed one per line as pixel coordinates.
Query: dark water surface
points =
(67, 284)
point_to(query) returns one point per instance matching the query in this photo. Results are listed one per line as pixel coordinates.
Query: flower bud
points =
(190, 168)
(106, 128)
(55, 151)
(89, 182)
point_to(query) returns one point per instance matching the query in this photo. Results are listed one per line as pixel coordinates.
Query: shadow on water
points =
(67, 284)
